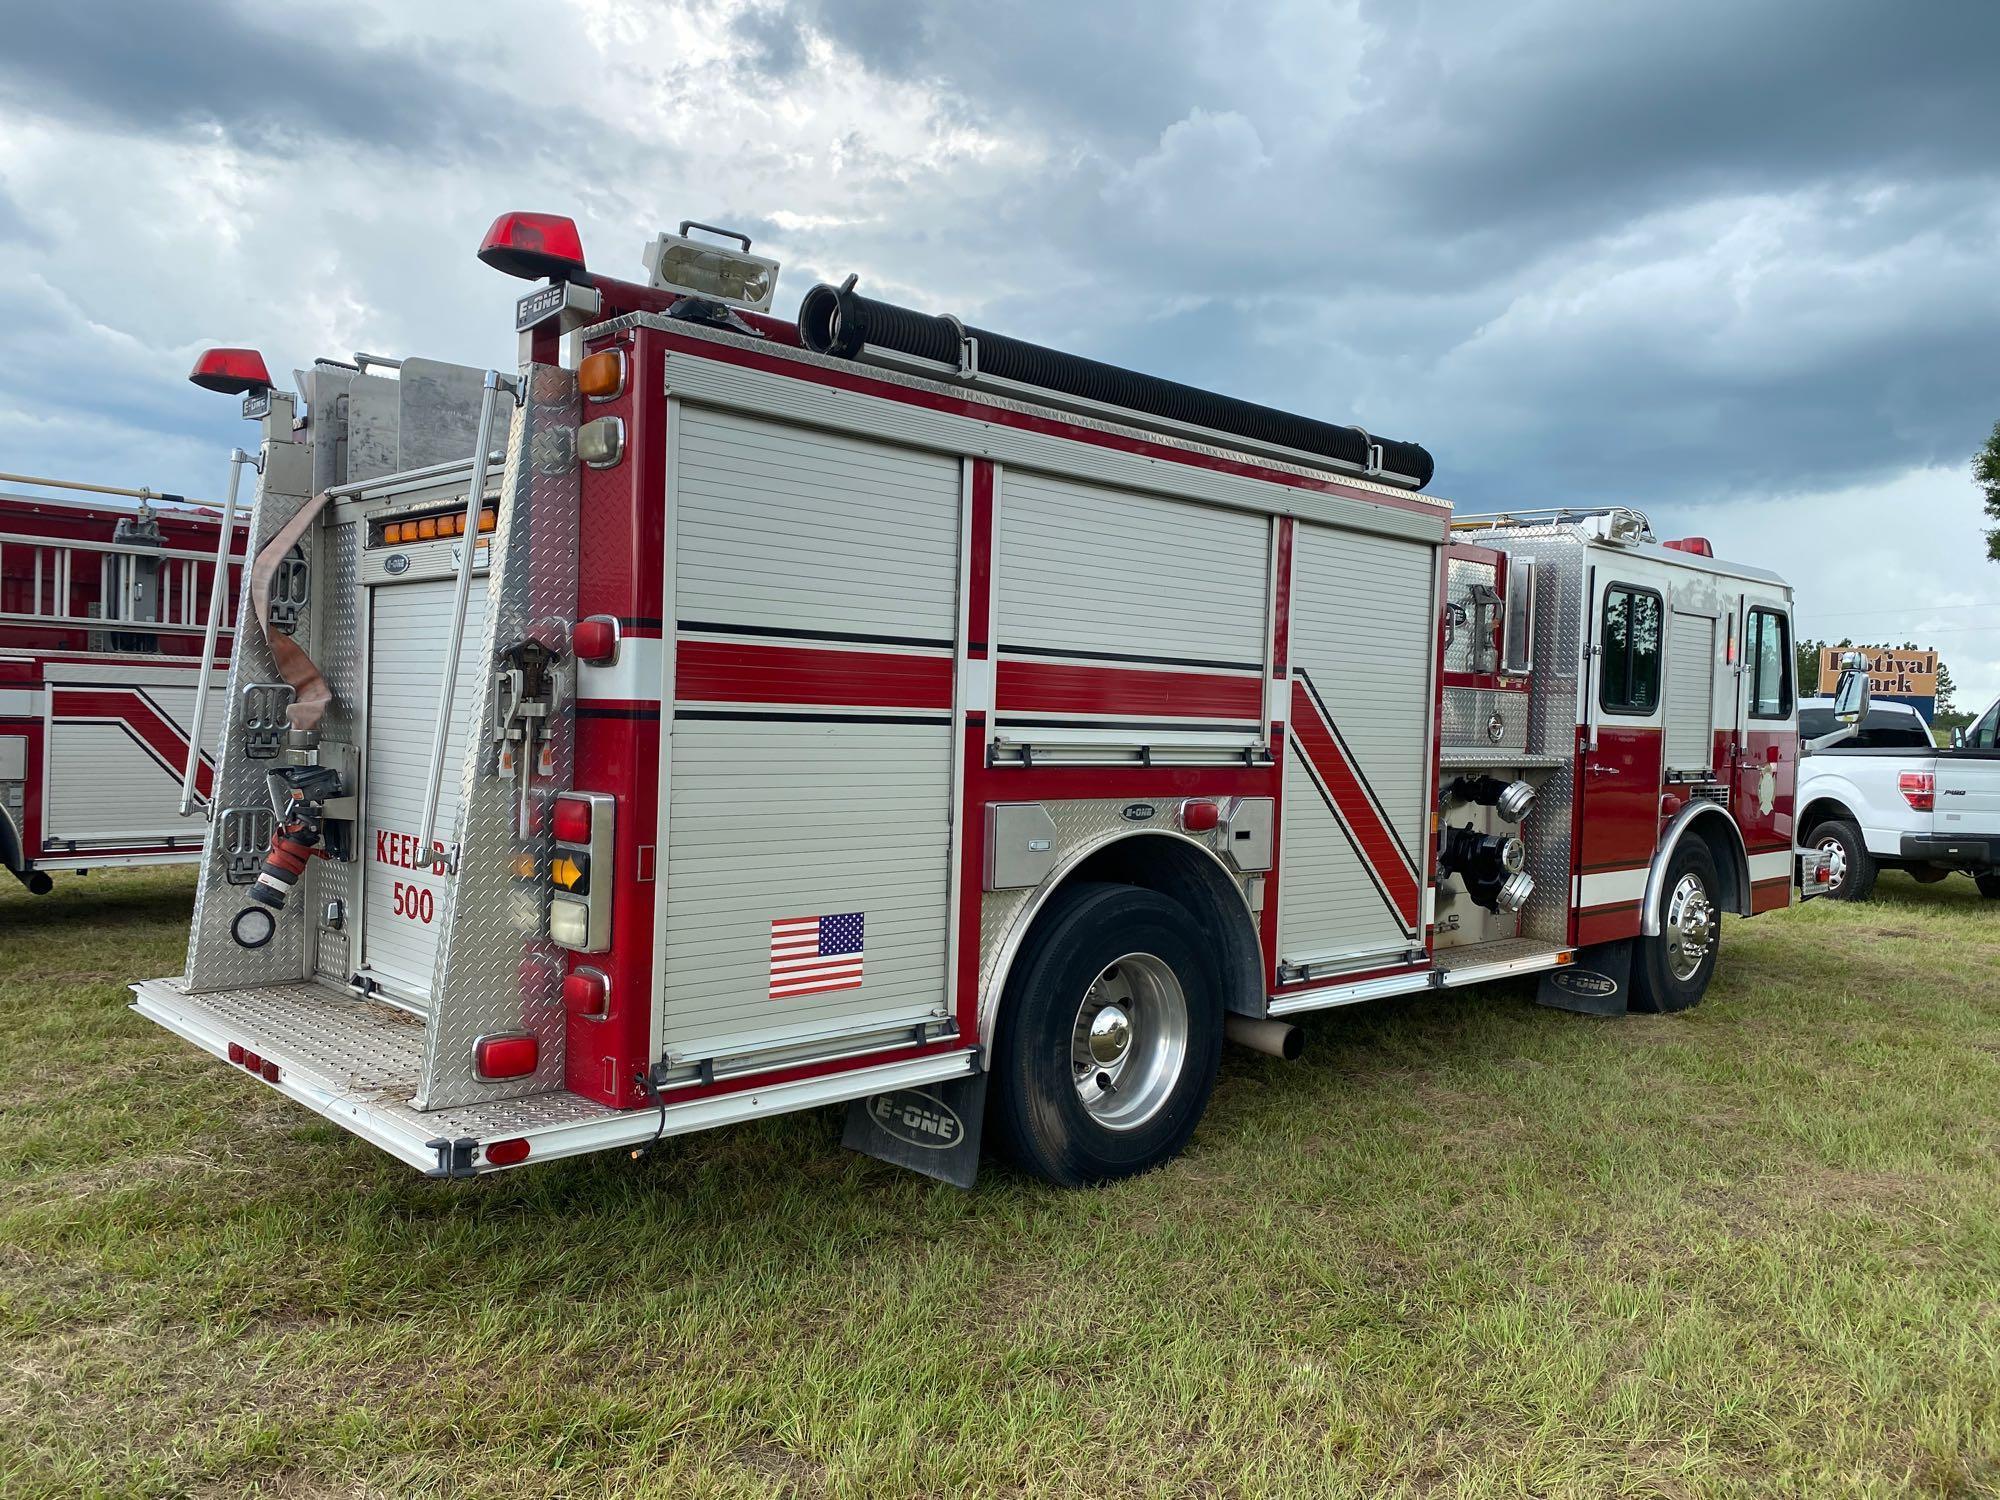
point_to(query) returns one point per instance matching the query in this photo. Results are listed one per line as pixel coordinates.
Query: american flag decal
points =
(811, 955)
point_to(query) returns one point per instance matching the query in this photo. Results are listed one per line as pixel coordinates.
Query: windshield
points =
(1882, 730)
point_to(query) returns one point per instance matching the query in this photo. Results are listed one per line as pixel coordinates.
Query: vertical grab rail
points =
(475, 498)
(217, 591)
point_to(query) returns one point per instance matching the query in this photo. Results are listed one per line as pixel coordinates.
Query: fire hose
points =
(294, 840)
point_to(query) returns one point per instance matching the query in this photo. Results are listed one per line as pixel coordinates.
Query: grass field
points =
(1466, 1246)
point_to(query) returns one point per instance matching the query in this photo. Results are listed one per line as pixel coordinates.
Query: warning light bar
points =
(532, 246)
(404, 531)
(233, 372)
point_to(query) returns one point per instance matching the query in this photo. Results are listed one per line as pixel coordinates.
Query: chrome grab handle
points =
(475, 497)
(216, 590)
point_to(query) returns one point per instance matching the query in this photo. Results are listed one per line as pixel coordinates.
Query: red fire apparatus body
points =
(876, 710)
(101, 631)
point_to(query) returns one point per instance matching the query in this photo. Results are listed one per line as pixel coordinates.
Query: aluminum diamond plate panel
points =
(1561, 560)
(496, 970)
(337, 649)
(214, 960)
(370, 1052)
(1468, 720)
(1081, 829)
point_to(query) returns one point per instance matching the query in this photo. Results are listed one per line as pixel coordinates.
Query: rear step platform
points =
(358, 1062)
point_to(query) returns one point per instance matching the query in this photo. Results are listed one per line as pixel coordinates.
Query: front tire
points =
(1854, 868)
(1109, 1040)
(1989, 885)
(1671, 971)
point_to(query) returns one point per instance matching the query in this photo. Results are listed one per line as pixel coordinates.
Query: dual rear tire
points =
(1110, 1037)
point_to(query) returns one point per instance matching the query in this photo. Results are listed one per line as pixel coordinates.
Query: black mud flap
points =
(1599, 983)
(933, 1130)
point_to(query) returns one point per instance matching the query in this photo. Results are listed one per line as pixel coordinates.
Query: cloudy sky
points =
(1734, 263)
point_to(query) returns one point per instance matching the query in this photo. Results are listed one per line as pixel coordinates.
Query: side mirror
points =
(1850, 698)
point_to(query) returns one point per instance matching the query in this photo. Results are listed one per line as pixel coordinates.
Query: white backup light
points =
(675, 263)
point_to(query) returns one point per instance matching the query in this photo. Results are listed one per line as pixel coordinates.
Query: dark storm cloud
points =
(150, 68)
(1580, 249)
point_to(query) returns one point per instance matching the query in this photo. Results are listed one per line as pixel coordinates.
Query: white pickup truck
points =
(1887, 798)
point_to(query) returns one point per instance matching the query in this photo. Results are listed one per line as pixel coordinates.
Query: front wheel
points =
(1109, 1040)
(1671, 971)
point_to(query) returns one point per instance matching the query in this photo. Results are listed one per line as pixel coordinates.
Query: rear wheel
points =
(1854, 868)
(1671, 971)
(1989, 884)
(1109, 1039)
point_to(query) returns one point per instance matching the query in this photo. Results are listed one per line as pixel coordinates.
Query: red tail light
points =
(594, 639)
(236, 1053)
(532, 246)
(496, 1057)
(1919, 789)
(572, 820)
(507, 1153)
(587, 994)
(233, 372)
(1200, 816)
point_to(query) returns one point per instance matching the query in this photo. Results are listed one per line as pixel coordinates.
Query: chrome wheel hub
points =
(1836, 862)
(1690, 926)
(1129, 1041)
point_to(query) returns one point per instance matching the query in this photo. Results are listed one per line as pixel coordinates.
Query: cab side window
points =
(1985, 735)
(1633, 621)
(1770, 660)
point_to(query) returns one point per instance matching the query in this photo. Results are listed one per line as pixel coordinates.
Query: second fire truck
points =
(752, 715)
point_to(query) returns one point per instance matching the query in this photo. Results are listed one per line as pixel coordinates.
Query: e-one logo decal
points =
(1138, 812)
(396, 563)
(1584, 982)
(917, 1120)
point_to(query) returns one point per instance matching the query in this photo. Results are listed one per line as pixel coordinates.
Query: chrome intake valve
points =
(1510, 799)
(1491, 865)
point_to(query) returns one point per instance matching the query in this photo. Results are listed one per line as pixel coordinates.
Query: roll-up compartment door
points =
(403, 894)
(1357, 775)
(1689, 696)
(815, 595)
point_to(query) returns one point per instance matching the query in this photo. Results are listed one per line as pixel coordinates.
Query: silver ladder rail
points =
(475, 498)
(217, 591)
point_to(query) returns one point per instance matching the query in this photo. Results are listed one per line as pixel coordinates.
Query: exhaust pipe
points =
(37, 881)
(1272, 1038)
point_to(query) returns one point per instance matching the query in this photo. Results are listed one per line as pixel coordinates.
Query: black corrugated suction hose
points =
(844, 323)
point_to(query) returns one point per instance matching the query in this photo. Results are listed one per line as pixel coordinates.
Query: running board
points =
(1451, 969)
(364, 1079)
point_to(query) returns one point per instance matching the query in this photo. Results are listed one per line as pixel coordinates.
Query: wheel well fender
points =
(1714, 827)
(1177, 867)
(1822, 807)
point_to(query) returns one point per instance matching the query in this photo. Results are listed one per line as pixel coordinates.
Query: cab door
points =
(1767, 751)
(1619, 822)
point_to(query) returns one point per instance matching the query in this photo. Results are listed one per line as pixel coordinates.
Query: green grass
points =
(1466, 1246)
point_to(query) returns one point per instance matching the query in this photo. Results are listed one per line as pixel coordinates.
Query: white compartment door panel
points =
(1357, 771)
(402, 895)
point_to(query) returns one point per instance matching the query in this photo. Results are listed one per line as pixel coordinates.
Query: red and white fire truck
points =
(102, 609)
(747, 716)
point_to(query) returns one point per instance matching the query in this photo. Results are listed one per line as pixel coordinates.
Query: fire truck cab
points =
(721, 716)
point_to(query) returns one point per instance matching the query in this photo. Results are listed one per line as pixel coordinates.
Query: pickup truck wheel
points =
(1989, 885)
(1671, 971)
(1854, 869)
(1109, 1040)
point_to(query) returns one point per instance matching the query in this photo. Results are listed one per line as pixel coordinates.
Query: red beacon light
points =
(1698, 545)
(233, 372)
(532, 246)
